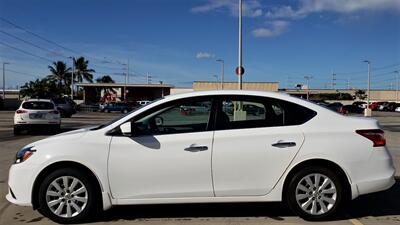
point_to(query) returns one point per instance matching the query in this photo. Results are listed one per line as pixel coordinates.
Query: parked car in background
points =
(335, 106)
(296, 151)
(397, 109)
(388, 106)
(352, 109)
(360, 104)
(38, 113)
(66, 106)
(374, 106)
(122, 107)
(143, 102)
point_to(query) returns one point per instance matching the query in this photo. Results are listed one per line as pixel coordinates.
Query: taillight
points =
(375, 135)
(54, 112)
(20, 111)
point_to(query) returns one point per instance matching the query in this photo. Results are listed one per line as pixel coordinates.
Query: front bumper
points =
(20, 183)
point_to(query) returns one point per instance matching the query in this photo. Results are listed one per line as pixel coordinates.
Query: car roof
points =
(38, 100)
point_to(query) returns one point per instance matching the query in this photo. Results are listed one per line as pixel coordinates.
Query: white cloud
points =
(204, 55)
(251, 8)
(274, 29)
(339, 6)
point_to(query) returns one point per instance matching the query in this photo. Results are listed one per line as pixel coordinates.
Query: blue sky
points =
(178, 41)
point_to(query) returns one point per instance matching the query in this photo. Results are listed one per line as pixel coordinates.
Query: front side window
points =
(182, 117)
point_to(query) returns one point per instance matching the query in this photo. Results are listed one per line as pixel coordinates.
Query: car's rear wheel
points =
(315, 193)
(67, 196)
(17, 130)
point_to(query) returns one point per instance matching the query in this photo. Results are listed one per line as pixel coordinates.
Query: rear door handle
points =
(196, 148)
(284, 144)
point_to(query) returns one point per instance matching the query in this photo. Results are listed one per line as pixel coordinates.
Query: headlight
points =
(24, 154)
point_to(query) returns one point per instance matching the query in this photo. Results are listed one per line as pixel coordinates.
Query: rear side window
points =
(295, 114)
(38, 105)
(252, 112)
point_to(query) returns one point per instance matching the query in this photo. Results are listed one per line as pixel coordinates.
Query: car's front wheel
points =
(315, 193)
(67, 196)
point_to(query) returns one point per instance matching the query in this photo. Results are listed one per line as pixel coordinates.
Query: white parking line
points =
(355, 222)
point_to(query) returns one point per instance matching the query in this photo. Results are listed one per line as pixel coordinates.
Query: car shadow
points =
(377, 204)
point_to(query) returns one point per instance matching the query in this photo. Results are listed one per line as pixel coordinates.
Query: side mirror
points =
(126, 129)
(159, 121)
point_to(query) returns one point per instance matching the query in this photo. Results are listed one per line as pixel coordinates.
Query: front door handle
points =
(284, 144)
(193, 148)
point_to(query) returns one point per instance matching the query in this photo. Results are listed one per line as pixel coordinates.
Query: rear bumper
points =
(376, 185)
(376, 174)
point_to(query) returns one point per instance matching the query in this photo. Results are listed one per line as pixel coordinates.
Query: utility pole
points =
(308, 78)
(148, 78)
(348, 83)
(397, 85)
(72, 77)
(240, 43)
(4, 80)
(222, 72)
(333, 80)
(367, 110)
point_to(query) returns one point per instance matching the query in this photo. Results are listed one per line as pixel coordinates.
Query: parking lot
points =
(379, 208)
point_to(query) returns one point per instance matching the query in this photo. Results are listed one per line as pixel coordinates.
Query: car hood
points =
(66, 136)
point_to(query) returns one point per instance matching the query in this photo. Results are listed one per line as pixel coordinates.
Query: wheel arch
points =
(319, 162)
(58, 165)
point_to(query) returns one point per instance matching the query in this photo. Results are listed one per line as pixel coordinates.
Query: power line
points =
(25, 52)
(30, 43)
(49, 41)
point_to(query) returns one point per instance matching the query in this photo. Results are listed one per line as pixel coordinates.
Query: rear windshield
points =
(38, 105)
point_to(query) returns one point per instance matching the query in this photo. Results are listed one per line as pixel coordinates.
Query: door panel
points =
(246, 164)
(159, 166)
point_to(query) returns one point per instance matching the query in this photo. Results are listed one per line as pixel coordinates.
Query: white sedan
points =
(293, 151)
(36, 113)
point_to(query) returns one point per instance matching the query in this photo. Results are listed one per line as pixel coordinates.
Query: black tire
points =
(56, 128)
(297, 178)
(93, 203)
(17, 130)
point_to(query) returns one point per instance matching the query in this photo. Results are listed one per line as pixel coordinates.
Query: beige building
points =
(261, 86)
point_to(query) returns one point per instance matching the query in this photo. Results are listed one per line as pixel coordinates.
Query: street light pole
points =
(240, 43)
(397, 85)
(369, 82)
(308, 78)
(222, 72)
(72, 77)
(4, 80)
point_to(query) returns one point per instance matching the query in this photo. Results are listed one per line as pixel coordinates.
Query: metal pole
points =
(4, 80)
(240, 42)
(222, 72)
(369, 84)
(397, 85)
(72, 78)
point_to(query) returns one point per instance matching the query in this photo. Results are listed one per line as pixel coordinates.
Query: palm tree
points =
(59, 73)
(81, 70)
